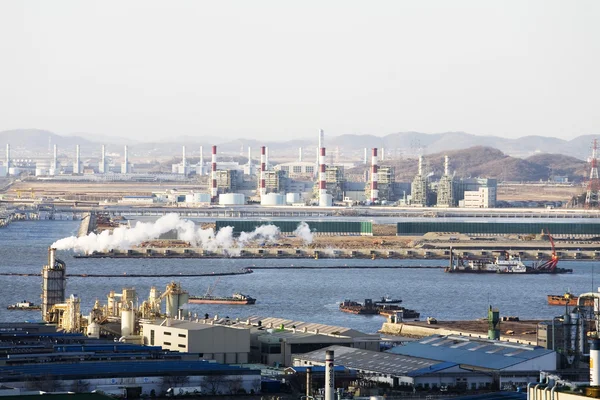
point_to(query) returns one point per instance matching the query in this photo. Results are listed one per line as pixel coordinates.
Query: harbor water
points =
(311, 294)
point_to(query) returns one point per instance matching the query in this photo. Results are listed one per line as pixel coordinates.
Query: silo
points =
(232, 199)
(93, 330)
(292, 198)
(272, 199)
(127, 322)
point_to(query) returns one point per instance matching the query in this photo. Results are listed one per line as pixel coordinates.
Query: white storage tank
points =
(292, 198)
(93, 330)
(326, 201)
(127, 322)
(232, 199)
(273, 199)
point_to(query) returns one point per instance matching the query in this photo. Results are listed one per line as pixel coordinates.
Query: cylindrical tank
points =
(175, 301)
(326, 200)
(595, 362)
(127, 322)
(232, 199)
(93, 330)
(272, 199)
(292, 198)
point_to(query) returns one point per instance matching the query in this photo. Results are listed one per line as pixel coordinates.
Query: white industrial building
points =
(484, 197)
(222, 343)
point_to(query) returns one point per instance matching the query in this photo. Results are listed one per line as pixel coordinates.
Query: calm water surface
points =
(305, 295)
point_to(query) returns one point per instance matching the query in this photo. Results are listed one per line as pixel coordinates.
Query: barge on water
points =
(237, 298)
(24, 305)
(569, 300)
(506, 263)
(370, 307)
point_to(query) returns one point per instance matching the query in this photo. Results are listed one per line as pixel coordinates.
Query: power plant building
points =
(420, 188)
(476, 192)
(221, 343)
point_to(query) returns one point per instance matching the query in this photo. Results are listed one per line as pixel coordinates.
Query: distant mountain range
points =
(32, 142)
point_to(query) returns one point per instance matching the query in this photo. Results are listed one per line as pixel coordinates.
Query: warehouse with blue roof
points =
(516, 363)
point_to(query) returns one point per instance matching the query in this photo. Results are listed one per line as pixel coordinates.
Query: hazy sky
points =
(282, 69)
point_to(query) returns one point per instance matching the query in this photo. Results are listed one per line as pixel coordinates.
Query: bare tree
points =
(45, 383)
(235, 384)
(213, 383)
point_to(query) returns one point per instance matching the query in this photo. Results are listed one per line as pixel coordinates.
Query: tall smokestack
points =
(446, 169)
(266, 158)
(329, 376)
(54, 166)
(320, 146)
(102, 166)
(420, 165)
(213, 190)
(382, 154)
(365, 157)
(183, 162)
(7, 157)
(77, 164)
(374, 176)
(322, 179)
(300, 154)
(125, 165)
(201, 161)
(249, 156)
(263, 186)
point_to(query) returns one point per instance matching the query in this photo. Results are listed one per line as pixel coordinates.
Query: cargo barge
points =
(568, 299)
(370, 307)
(24, 305)
(237, 298)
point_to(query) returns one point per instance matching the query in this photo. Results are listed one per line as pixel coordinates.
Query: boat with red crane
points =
(507, 263)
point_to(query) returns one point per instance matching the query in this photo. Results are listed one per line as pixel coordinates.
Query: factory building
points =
(397, 371)
(279, 340)
(516, 363)
(221, 343)
(274, 181)
(420, 188)
(37, 357)
(297, 169)
(476, 192)
(335, 181)
(386, 182)
(229, 180)
(445, 188)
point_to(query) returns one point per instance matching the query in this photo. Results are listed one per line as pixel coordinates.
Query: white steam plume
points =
(123, 238)
(303, 231)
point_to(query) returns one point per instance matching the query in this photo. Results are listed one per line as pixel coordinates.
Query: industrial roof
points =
(495, 396)
(305, 327)
(112, 369)
(482, 353)
(374, 361)
(186, 324)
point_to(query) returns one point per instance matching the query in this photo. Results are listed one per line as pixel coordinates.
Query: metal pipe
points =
(308, 381)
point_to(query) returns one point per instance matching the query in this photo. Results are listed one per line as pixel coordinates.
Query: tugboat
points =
(24, 305)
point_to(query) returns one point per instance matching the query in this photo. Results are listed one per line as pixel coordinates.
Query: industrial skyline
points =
(269, 70)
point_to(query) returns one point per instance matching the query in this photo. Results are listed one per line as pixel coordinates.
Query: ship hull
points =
(559, 300)
(198, 300)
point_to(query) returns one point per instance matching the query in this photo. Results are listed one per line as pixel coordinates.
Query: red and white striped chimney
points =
(374, 177)
(263, 164)
(322, 179)
(213, 189)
